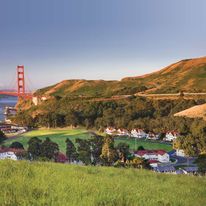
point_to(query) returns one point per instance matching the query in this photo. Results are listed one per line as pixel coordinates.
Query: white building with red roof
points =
(138, 133)
(110, 130)
(153, 163)
(158, 155)
(8, 153)
(152, 136)
(123, 132)
(171, 135)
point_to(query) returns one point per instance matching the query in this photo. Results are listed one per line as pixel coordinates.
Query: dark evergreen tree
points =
(123, 151)
(34, 148)
(71, 151)
(49, 149)
(2, 137)
(96, 144)
(140, 148)
(16, 145)
(84, 151)
(201, 163)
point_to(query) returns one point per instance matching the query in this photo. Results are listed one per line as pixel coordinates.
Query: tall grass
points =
(24, 183)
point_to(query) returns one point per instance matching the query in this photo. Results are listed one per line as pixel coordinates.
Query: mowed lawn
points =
(56, 135)
(52, 184)
(147, 144)
(60, 135)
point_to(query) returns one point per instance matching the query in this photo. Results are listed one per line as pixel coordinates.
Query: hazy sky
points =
(97, 39)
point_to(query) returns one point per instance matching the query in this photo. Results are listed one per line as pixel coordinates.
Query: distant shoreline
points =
(6, 101)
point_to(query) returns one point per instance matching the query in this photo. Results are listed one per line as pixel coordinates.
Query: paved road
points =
(190, 161)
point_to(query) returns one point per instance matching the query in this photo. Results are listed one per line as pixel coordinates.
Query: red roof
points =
(153, 161)
(161, 152)
(155, 152)
(138, 130)
(2, 150)
(172, 132)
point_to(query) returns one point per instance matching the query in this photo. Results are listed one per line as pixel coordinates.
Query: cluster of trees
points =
(42, 150)
(133, 112)
(97, 150)
(155, 115)
(194, 143)
(100, 150)
(2, 137)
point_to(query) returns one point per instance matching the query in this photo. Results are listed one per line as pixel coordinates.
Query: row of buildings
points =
(170, 169)
(11, 128)
(154, 157)
(140, 133)
(160, 161)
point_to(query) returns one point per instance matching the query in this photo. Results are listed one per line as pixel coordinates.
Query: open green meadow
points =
(56, 135)
(134, 144)
(40, 184)
(60, 135)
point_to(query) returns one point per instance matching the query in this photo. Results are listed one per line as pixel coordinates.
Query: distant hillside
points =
(186, 75)
(91, 88)
(198, 111)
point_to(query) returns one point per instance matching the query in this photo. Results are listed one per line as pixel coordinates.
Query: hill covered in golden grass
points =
(198, 111)
(187, 75)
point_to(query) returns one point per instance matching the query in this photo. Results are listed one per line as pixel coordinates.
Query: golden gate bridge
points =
(21, 91)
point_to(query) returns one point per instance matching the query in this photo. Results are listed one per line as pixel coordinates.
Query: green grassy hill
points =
(25, 183)
(187, 75)
(91, 88)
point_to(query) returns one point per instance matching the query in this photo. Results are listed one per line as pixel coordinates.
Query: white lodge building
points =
(159, 155)
(180, 153)
(138, 133)
(152, 136)
(110, 130)
(8, 155)
(171, 135)
(123, 132)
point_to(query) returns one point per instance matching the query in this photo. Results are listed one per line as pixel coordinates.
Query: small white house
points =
(123, 132)
(180, 152)
(159, 155)
(138, 133)
(110, 130)
(171, 135)
(152, 136)
(153, 163)
(190, 170)
(165, 169)
(8, 155)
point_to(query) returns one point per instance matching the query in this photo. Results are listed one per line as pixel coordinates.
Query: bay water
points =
(6, 101)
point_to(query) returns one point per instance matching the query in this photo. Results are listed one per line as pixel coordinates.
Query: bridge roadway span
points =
(15, 94)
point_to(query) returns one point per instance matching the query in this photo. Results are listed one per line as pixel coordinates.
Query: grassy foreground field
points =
(25, 183)
(60, 135)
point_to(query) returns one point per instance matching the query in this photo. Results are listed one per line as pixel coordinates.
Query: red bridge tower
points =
(20, 81)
